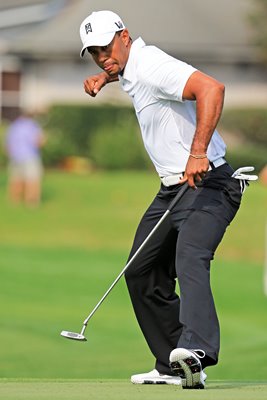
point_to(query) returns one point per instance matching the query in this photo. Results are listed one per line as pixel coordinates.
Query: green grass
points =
(96, 211)
(101, 211)
(49, 290)
(57, 261)
(122, 390)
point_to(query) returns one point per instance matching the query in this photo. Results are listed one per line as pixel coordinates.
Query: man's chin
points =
(112, 73)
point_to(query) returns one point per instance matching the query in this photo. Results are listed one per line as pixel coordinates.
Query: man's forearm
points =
(209, 108)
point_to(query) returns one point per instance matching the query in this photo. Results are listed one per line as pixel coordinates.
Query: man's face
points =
(113, 57)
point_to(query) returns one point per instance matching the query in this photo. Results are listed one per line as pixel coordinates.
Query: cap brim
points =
(97, 40)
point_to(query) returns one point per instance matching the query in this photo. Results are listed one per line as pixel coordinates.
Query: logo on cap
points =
(88, 28)
(119, 24)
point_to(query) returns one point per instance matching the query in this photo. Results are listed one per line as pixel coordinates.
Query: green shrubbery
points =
(107, 135)
(117, 147)
(110, 136)
(248, 156)
(251, 124)
(3, 157)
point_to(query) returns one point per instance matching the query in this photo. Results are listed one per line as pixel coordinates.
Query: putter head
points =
(73, 336)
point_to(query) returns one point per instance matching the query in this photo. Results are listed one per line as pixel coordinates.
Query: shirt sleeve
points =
(167, 76)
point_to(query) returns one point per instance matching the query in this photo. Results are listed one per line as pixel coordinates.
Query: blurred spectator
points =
(23, 142)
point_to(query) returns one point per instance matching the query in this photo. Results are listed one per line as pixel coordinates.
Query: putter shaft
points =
(70, 335)
(181, 192)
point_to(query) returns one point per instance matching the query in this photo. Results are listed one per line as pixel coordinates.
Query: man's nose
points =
(102, 56)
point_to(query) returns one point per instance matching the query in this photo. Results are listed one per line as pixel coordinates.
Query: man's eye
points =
(105, 47)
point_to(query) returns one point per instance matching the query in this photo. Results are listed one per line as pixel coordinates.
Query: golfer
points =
(178, 108)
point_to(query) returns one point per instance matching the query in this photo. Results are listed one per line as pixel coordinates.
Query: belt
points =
(171, 180)
(174, 179)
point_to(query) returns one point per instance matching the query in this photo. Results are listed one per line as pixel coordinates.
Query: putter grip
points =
(181, 192)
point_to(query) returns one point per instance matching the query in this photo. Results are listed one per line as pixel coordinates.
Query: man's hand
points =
(93, 84)
(195, 171)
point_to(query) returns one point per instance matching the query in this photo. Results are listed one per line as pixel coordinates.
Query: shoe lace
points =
(199, 353)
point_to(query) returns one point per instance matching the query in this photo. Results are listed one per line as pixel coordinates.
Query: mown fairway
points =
(56, 262)
(122, 390)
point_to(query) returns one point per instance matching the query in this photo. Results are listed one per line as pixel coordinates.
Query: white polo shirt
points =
(155, 81)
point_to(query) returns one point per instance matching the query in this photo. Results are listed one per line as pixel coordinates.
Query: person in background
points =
(23, 142)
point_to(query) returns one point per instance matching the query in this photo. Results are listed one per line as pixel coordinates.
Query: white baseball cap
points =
(99, 28)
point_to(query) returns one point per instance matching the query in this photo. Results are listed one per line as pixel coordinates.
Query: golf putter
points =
(80, 336)
(240, 174)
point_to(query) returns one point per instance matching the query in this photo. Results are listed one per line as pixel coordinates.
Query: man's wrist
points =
(110, 78)
(199, 156)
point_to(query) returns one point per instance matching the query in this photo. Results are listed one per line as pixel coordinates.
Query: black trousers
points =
(182, 248)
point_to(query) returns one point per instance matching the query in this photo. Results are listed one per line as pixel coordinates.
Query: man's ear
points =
(125, 37)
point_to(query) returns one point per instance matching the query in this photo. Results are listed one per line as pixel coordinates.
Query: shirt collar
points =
(129, 67)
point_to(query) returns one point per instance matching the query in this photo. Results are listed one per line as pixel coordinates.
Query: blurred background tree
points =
(258, 21)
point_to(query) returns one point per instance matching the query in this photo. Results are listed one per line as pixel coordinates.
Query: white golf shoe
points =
(154, 377)
(186, 364)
